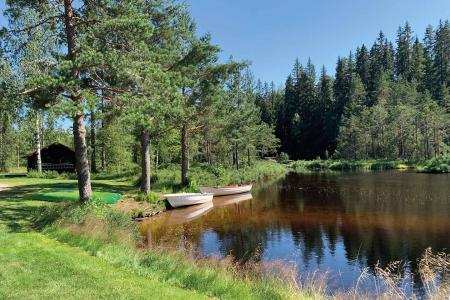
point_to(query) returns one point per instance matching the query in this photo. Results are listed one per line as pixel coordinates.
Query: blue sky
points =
(271, 34)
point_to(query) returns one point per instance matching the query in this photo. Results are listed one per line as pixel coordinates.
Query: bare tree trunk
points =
(18, 156)
(156, 160)
(81, 155)
(2, 144)
(38, 144)
(145, 159)
(210, 152)
(102, 149)
(237, 155)
(416, 144)
(435, 142)
(184, 154)
(79, 130)
(234, 156)
(372, 139)
(93, 143)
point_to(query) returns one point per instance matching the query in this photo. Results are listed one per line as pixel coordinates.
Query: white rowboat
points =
(226, 190)
(186, 199)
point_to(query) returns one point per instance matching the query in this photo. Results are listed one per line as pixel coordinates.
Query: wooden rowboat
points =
(226, 190)
(186, 199)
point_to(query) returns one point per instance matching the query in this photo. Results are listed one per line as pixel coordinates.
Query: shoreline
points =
(438, 165)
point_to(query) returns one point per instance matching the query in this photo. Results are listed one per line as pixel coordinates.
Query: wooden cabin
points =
(55, 157)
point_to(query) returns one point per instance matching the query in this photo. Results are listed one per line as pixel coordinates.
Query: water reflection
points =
(333, 222)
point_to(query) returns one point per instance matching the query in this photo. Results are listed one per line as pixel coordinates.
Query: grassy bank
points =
(56, 249)
(37, 267)
(435, 165)
(109, 235)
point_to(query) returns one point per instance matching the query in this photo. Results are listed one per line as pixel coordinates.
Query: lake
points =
(339, 223)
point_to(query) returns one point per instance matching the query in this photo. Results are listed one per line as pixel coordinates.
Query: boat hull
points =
(179, 200)
(226, 190)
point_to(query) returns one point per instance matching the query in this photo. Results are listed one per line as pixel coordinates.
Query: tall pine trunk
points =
(38, 144)
(93, 143)
(102, 149)
(81, 156)
(184, 154)
(156, 160)
(79, 130)
(3, 142)
(237, 155)
(145, 162)
(18, 156)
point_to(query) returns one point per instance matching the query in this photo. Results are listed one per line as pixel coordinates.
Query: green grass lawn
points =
(36, 267)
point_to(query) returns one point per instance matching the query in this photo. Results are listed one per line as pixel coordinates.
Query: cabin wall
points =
(54, 158)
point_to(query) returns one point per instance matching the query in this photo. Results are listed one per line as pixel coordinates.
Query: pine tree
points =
(429, 76)
(388, 60)
(403, 53)
(325, 108)
(362, 64)
(417, 62)
(98, 45)
(8, 109)
(379, 55)
(442, 62)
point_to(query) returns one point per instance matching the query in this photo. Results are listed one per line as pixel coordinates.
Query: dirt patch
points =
(4, 187)
(139, 210)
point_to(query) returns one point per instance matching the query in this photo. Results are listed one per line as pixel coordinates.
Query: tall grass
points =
(393, 282)
(112, 236)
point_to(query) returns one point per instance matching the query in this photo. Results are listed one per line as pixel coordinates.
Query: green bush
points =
(283, 157)
(50, 175)
(437, 165)
(152, 198)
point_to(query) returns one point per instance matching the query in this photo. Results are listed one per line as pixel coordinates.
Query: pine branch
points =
(31, 27)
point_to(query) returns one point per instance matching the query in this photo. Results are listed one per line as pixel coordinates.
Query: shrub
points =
(152, 198)
(50, 175)
(283, 157)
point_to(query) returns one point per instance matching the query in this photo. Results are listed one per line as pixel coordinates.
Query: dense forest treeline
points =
(153, 92)
(387, 101)
(150, 88)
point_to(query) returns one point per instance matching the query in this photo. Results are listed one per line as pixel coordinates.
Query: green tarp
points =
(57, 195)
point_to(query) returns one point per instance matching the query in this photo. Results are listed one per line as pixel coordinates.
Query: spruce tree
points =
(441, 63)
(362, 64)
(404, 52)
(430, 74)
(328, 118)
(417, 62)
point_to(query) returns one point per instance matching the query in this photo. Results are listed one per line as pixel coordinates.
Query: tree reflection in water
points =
(337, 222)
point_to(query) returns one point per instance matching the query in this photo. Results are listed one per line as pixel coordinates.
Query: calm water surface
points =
(338, 223)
